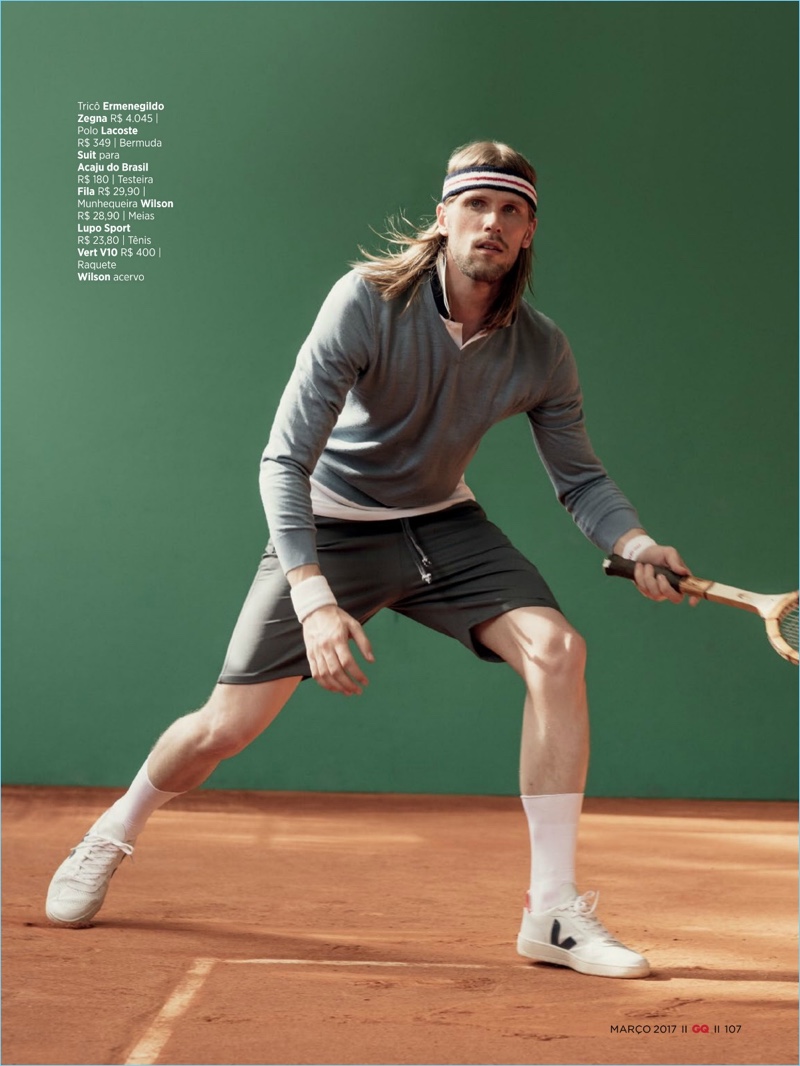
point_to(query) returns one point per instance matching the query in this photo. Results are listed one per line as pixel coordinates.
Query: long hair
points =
(395, 272)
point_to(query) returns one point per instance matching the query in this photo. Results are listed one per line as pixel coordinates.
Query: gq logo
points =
(700, 1029)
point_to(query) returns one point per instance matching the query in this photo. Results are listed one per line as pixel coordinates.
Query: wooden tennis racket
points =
(778, 611)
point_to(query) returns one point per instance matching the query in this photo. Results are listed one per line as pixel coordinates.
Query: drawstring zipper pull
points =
(420, 558)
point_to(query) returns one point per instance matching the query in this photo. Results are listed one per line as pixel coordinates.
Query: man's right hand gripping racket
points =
(779, 611)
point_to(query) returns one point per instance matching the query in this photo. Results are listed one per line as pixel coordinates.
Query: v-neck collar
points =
(438, 288)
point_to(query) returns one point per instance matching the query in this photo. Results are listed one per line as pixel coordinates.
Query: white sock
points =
(135, 807)
(553, 825)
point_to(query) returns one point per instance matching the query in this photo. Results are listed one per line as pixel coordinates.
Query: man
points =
(413, 357)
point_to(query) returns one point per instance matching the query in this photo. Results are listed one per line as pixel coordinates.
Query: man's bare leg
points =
(193, 746)
(549, 655)
(558, 925)
(184, 756)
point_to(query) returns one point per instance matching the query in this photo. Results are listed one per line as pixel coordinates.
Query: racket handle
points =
(616, 566)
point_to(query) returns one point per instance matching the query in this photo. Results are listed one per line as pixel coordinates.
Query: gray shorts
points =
(450, 570)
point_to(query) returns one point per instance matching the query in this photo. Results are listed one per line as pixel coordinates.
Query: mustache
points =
(498, 241)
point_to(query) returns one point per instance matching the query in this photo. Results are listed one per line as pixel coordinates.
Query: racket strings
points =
(788, 628)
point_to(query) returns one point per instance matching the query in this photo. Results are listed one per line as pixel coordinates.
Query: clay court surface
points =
(328, 928)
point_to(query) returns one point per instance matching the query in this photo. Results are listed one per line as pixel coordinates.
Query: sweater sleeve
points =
(596, 504)
(335, 353)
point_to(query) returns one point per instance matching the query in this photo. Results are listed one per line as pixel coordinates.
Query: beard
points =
(474, 266)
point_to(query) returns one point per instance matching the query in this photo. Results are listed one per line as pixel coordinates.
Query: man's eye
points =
(511, 209)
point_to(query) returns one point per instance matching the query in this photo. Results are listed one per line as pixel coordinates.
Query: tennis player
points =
(414, 355)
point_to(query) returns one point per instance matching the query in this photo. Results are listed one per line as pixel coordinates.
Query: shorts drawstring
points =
(420, 558)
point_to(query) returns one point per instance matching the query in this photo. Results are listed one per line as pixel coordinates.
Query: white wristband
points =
(310, 594)
(636, 545)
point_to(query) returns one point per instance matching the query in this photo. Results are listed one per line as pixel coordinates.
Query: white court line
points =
(359, 962)
(147, 1050)
(149, 1047)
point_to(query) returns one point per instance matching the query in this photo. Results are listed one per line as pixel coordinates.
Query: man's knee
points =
(236, 714)
(563, 651)
(220, 737)
(551, 646)
(535, 640)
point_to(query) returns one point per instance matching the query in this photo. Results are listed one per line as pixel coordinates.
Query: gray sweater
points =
(384, 409)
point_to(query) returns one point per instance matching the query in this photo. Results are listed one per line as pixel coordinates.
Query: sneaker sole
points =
(75, 923)
(81, 921)
(533, 949)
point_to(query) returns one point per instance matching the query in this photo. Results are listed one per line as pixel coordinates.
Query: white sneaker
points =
(570, 935)
(80, 883)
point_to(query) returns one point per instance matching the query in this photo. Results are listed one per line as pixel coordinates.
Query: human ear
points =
(441, 219)
(529, 232)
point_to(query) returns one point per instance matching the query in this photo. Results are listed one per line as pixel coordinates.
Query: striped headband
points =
(488, 178)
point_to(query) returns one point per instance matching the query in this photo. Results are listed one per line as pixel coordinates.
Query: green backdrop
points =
(135, 414)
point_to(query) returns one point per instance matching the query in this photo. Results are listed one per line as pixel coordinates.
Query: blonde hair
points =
(403, 271)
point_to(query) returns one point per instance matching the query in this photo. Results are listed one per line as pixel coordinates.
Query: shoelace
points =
(96, 851)
(583, 908)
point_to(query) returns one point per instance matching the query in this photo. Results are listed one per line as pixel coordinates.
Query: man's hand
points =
(655, 586)
(327, 633)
